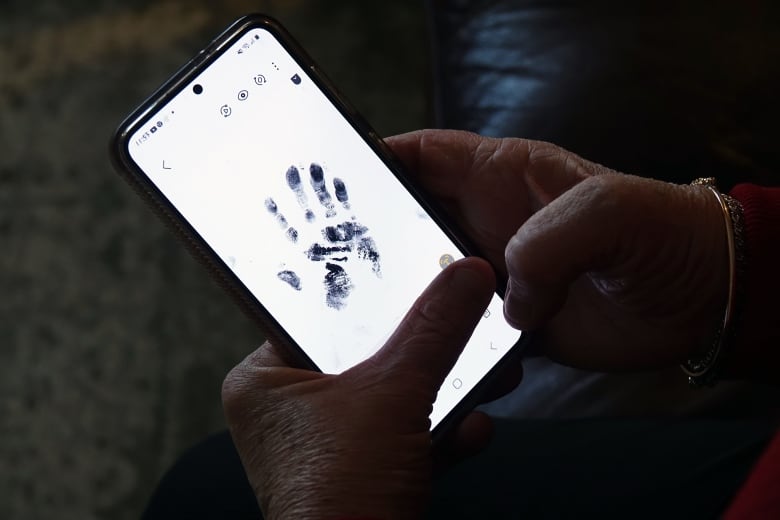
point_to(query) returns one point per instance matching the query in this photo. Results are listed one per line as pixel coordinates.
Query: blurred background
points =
(113, 341)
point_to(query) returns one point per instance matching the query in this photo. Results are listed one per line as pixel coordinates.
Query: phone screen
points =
(293, 199)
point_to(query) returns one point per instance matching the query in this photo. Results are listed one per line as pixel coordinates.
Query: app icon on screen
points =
(445, 260)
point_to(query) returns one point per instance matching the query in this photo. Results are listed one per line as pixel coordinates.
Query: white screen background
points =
(218, 172)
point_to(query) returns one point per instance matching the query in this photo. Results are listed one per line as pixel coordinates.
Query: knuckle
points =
(233, 389)
(600, 186)
(542, 152)
(240, 392)
(607, 195)
(546, 159)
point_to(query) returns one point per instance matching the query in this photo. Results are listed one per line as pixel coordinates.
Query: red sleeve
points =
(756, 351)
(759, 496)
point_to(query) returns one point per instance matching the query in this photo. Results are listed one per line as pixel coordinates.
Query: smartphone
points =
(297, 208)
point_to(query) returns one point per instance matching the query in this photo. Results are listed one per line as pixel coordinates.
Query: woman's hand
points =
(615, 272)
(356, 444)
(621, 273)
(490, 187)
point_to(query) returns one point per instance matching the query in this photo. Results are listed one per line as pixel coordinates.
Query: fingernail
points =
(465, 279)
(517, 310)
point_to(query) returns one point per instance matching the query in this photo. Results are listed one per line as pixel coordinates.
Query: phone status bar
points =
(248, 43)
(154, 126)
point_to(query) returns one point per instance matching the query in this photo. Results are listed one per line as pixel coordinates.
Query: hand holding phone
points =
(377, 409)
(297, 208)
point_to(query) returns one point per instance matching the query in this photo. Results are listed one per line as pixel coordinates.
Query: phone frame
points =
(229, 281)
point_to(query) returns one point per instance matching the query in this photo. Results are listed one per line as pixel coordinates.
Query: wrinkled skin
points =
(614, 272)
(357, 443)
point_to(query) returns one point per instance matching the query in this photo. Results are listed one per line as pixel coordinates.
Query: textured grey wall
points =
(113, 341)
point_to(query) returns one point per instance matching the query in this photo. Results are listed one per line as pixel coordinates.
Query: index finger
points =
(432, 335)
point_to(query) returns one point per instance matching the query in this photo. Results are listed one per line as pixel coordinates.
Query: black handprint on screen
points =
(340, 242)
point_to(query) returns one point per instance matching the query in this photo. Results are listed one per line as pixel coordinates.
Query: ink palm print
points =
(341, 244)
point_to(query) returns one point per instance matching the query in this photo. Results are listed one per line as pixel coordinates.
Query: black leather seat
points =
(671, 90)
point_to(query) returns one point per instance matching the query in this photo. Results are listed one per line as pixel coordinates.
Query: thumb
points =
(576, 233)
(433, 333)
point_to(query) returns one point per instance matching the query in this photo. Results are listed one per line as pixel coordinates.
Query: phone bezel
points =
(273, 330)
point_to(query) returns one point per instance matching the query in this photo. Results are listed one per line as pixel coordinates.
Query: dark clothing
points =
(532, 469)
